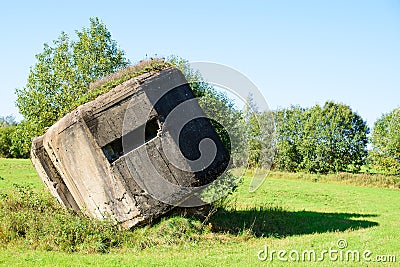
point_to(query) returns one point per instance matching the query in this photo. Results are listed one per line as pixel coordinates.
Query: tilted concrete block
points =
(133, 153)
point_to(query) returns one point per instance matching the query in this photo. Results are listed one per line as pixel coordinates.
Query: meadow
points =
(289, 212)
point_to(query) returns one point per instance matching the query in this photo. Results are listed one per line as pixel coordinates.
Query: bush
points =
(39, 222)
(6, 137)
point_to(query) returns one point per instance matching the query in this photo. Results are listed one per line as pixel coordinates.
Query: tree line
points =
(319, 139)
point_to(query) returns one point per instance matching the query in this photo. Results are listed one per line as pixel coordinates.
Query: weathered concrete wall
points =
(91, 163)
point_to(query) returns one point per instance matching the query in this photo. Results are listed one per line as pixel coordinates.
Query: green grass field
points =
(283, 214)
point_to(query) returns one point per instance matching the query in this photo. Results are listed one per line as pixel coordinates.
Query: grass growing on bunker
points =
(107, 83)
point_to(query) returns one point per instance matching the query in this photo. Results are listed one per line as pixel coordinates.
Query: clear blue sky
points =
(297, 52)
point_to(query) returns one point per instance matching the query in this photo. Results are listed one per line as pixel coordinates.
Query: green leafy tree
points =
(385, 139)
(334, 139)
(251, 115)
(22, 138)
(61, 76)
(324, 139)
(6, 136)
(7, 130)
(267, 139)
(259, 131)
(289, 134)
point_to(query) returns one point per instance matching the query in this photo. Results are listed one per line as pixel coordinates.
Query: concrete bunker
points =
(97, 159)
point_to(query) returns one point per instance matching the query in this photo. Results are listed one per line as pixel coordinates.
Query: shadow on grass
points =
(280, 223)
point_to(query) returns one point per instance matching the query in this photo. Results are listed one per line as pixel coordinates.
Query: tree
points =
(22, 138)
(289, 133)
(6, 135)
(7, 121)
(7, 130)
(385, 139)
(267, 139)
(324, 139)
(334, 139)
(61, 76)
(251, 116)
(259, 131)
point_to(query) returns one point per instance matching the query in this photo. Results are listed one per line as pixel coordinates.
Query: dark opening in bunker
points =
(132, 140)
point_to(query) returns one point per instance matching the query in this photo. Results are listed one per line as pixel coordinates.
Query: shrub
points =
(6, 137)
